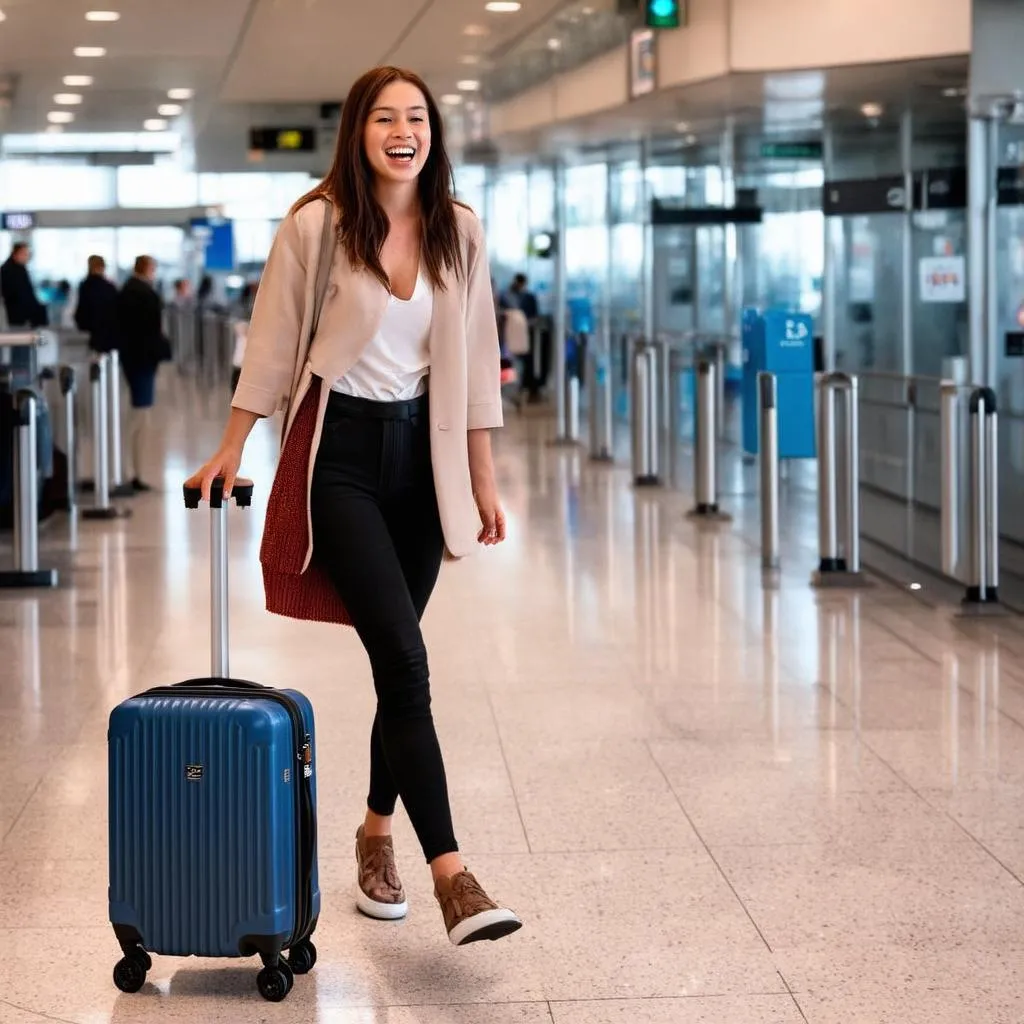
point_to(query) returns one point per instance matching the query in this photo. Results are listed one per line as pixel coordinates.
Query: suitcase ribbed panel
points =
(196, 865)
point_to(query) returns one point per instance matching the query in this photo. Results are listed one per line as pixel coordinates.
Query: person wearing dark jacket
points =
(143, 348)
(20, 301)
(96, 312)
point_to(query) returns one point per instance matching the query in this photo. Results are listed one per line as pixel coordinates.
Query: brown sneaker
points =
(379, 891)
(469, 913)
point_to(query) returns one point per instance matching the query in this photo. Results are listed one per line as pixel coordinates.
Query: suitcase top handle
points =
(241, 492)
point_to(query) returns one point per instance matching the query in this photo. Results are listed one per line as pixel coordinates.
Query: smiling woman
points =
(374, 328)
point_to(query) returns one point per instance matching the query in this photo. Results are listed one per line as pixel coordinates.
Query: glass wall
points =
(254, 201)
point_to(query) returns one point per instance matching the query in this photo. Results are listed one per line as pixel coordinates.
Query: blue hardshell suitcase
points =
(212, 789)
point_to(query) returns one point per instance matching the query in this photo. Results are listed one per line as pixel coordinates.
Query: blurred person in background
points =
(96, 312)
(143, 347)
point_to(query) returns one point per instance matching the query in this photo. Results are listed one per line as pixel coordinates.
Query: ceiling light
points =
(179, 94)
(953, 92)
(683, 126)
(554, 44)
(468, 85)
(469, 58)
(54, 129)
(169, 109)
(77, 81)
(690, 140)
(60, 117)
(474, 30)
(67, 99)
(451, 99)
(3, 17)
(872, 109)
(155, 124)
(90, 51)
(102, 16)
(503, 6)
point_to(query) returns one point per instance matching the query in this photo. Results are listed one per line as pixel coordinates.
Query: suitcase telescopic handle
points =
(241, 493)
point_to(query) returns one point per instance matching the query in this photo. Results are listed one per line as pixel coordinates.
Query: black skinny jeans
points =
(377, 533)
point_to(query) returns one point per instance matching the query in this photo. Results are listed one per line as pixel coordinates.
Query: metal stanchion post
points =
(599, 392)
(101, 509)
(118, 487)
(983, 582)
(767, 387)
(950, 499)
(720, 359)
(644, 414)
(705, 448)
(26, 571)
(66, 379)
(838, 485)
(572, 409)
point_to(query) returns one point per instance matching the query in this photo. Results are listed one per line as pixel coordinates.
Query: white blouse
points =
(395, 364)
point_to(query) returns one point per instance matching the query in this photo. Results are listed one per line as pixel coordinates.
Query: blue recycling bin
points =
(782, 343)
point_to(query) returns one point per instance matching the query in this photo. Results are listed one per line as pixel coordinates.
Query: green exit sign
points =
(663, 13)
(791, 151)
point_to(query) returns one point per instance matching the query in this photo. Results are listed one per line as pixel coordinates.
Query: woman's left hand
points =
(491, 516)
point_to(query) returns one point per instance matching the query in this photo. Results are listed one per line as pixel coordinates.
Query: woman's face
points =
(397, 133)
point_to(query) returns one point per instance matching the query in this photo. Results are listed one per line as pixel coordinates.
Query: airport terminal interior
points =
(732, 720)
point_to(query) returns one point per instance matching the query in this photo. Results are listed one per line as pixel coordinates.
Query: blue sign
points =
(217, 236)
(782, 343)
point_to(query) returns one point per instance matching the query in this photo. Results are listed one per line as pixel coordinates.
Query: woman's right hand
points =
(225, 463)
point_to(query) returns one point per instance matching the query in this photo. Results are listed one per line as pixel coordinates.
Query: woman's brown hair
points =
(363, 225)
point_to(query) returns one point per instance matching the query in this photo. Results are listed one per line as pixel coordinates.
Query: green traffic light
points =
(662, 13)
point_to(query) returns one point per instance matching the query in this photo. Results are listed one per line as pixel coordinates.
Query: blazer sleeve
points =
(483, 355)
(277, 315)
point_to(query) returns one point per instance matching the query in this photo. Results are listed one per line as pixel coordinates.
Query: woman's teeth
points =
(400, 153)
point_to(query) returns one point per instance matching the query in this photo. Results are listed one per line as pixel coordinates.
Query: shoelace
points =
(469, 895)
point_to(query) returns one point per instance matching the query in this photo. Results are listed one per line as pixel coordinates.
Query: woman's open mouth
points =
(400, 154)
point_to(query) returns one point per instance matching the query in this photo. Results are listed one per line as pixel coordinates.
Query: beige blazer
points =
(465, 390)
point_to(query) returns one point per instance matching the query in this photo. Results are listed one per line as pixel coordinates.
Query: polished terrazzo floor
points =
(710, 801)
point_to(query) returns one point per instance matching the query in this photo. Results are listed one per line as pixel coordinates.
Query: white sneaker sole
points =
(380, 911)
(488, 924)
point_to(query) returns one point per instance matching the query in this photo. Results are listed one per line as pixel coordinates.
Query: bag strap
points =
(323, 268)
(323, 274)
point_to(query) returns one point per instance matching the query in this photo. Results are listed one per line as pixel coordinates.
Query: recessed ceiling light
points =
(90, 51)
(179, 94)
(102, 16)
(468, 85)
(451, 99)
(474, 30)
(683, 126)
(554, 43)
(503, 6)
(77, 81)
(690, 140)
(169, 109)
(60, 117)
(67, 99)
(3, 17)
(871, 110)
(54, 129)
(155, 124)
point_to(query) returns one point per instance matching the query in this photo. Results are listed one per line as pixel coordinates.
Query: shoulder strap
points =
(323, 267)
(323, 274)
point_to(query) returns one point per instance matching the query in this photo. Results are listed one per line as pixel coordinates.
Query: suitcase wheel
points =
(130, 971)
(302, 957)
(276, 982)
